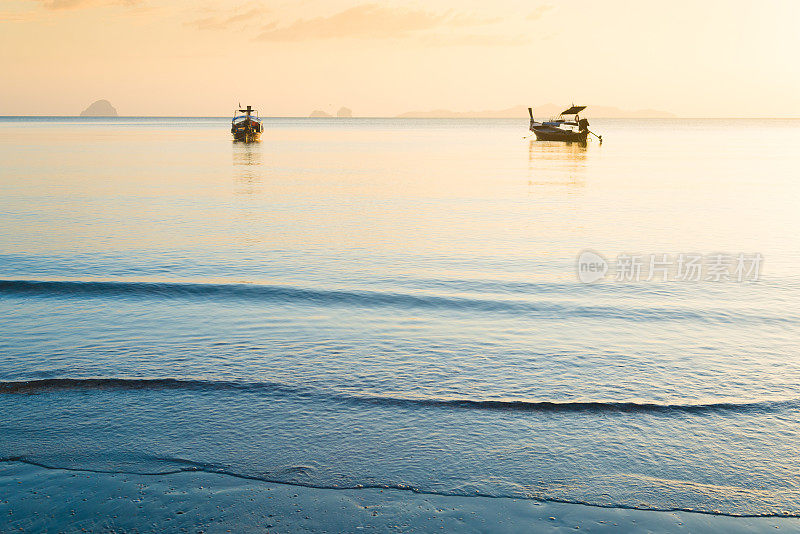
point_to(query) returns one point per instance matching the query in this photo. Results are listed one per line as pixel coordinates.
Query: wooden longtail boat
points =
(567, 126)
(246, 127)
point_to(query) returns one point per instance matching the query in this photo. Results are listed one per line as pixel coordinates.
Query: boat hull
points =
(246, 136)
(247, 130)
(557, 134)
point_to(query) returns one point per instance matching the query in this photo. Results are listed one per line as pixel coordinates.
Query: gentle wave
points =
(545, 406)
(61, 384)
(369, 299)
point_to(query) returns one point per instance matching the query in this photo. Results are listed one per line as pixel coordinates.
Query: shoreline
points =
(43, 498)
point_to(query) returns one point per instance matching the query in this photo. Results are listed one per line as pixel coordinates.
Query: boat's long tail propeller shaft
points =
(583, 125)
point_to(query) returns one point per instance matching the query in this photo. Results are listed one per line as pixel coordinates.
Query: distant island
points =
(343, 113)
(101, 108)
(543, 112)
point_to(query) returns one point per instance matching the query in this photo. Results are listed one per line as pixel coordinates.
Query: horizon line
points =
(372, 117)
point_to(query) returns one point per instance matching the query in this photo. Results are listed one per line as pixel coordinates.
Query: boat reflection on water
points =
(557, 164)
(247, 167)
(246, 154)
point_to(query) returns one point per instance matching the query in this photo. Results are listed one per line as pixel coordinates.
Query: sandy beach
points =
(37, 499)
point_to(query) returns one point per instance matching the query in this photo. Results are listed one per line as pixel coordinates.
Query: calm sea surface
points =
(395, 303)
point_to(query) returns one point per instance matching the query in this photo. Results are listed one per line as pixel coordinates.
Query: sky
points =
(196, 58)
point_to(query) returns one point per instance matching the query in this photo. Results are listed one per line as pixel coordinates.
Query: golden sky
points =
(155, 57)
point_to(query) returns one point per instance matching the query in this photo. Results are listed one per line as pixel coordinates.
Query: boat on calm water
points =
(567, 126)
(246, 127)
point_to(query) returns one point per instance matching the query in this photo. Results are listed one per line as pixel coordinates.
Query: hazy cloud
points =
(62, 4)
(74, 4)
(475, 40)
(369, 21)
(217, 22)
(537, 13)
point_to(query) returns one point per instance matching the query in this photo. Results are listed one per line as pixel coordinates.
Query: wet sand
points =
(37, 499)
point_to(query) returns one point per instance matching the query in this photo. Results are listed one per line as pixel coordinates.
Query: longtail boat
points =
(246, 127)
(567, 126)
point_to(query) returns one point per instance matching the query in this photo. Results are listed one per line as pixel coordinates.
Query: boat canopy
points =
(574, 110)
(243, 117)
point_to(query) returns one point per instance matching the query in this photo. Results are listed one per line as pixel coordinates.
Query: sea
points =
(440, 306)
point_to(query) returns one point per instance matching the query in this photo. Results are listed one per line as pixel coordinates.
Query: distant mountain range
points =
(103, 108)
(540, 112)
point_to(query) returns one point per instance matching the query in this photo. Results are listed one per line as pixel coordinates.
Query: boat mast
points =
(246, 111)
